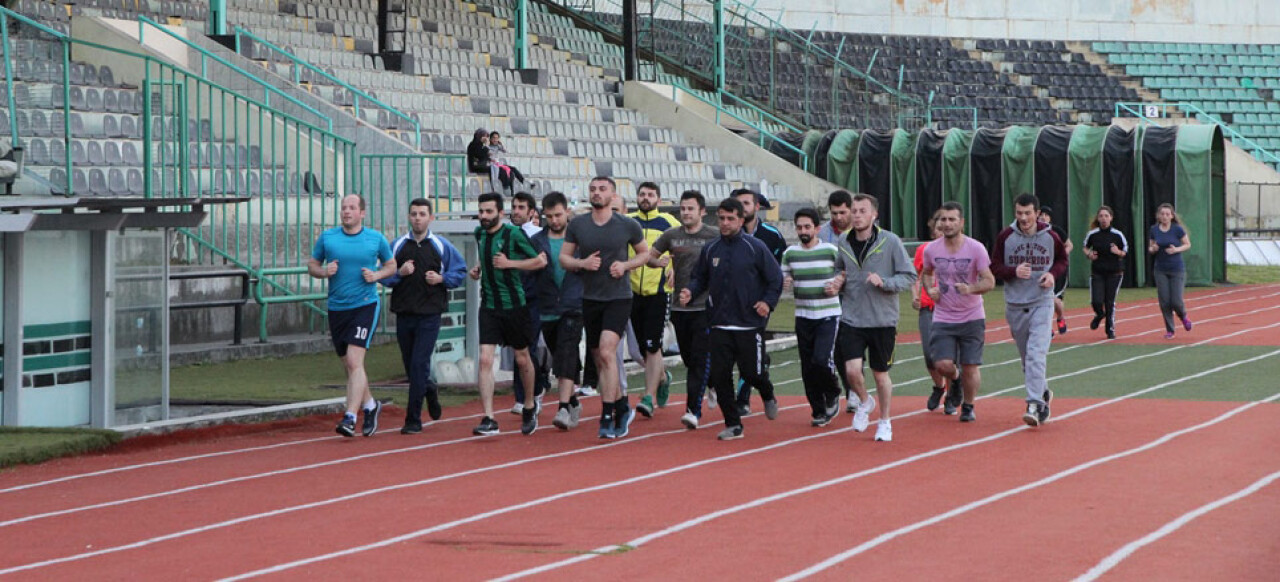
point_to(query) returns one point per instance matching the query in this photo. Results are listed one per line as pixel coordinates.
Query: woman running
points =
(1106, 247)
(1167, 241)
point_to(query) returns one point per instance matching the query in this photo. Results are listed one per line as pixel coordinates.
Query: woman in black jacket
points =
(1106, 247)
(480, 162)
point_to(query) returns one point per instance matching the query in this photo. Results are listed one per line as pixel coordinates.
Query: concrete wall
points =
(1234, 21)
(696, 122)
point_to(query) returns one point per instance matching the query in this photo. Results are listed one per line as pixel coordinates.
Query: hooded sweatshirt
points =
(1041, 249)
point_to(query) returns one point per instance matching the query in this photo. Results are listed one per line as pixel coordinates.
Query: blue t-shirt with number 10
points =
(362, 250)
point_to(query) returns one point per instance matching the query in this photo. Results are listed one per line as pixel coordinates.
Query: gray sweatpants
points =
(1029, 325)
(1169, 286)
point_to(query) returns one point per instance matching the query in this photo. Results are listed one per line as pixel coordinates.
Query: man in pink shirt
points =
(957, 271)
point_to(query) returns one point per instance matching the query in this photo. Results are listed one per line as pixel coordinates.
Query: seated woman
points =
(480, 161)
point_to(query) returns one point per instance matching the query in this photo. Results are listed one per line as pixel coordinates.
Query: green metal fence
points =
(765, 136)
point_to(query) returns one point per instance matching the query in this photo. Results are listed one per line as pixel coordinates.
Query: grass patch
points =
(1252, 275)
(20, 446)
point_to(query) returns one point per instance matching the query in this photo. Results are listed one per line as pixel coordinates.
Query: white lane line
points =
(366, 493)
(688, 524)
(1123, 553)
(966, 508)
(704, 462)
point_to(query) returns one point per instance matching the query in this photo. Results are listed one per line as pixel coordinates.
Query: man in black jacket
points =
(743, 283)
(560, 299)
(429, 267)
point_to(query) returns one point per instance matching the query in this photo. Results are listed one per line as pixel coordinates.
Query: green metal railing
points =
(206, 56)
(395, 179)
(760, 129)
(1162, 110)
(299, 64)
(8, 82)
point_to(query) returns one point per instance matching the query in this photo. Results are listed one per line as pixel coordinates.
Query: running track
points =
(1131, 489)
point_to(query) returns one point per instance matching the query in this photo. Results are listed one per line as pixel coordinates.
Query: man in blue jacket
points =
(743, 282)
(560, 307)
(429, 267)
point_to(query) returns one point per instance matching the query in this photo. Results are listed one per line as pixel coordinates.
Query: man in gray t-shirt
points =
(683, 245)
(595, 246)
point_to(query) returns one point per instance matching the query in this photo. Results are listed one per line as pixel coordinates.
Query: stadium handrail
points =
(1137, 110)
(359, 93)
(760, 129)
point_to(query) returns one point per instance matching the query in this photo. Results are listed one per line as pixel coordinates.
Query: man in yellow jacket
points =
(651, 293)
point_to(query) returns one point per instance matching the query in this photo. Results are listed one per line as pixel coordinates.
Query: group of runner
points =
(603, 273)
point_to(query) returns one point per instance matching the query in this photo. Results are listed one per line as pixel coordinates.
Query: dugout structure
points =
(1075, 169)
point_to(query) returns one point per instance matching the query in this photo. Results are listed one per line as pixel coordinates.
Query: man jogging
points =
(429, 267)
(560, 304)
(649, 302)
(1029, 257)
(504, 251)
(754, 225)
(683, 245)
(743, 284)
(348, 256)
(874, 268)
(807, 269)
(957, 271)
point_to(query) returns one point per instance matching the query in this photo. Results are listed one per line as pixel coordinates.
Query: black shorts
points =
(598, 316)
(649, 320)
(563, 336)
(353, 327)
(508, 327)
(1060, 285)
(875, 343)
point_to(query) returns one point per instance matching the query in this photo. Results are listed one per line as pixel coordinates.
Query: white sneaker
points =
(517, 409)
(884, 432)
(587, 391)
(1032, 416)
(689, 421)
(851, 403)
(711, 399)
(862, 413)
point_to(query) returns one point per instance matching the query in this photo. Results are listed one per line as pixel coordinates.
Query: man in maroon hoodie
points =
(1028, 256)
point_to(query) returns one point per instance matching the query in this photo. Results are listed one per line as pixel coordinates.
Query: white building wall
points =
(1209, 21)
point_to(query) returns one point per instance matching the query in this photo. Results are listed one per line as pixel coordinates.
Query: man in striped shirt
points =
(806, 269)
(504, 316)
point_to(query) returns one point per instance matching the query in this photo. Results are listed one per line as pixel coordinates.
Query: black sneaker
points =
(955, 396)
(529, 423)
(346, 426)
(433, 405)
(1111, 334)
(487, 427)
(1044, 410)
(622, 423)
(731, 433)
(744, 409)
(411, 427)
(934, 399)
(966, 413)
(370, 424)
(1097, 320)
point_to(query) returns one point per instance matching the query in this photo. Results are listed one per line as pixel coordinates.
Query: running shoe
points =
(575, 414)
(1186, 323)
(850, 402)
(967, 414)
(884, 431)
(935, 399)
(689, 421)
(645, 406)
(771, 409)
(606, 427)
(955, 396)
(411, 427)
(1097, 320)
(346, 426)
(833, 409)
(529, 422)
(1032, 415)
(861, 416)
(587, 391)
(370, 424)
(744, 409)
(1168, 335)
(433, 405)
(518, 408)
(1044, 410)
(1062, 326)
(730, 433)
(561, 421)
(712, 400)
(487, 427)
(622, 424)
(664, 390)
(1111, 334)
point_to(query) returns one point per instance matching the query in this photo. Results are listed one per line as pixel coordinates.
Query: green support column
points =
(522, 34)
(718, 7)
(217, 17)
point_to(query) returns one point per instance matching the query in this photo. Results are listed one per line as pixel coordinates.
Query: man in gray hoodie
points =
(1028, 256)
(873, 268)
